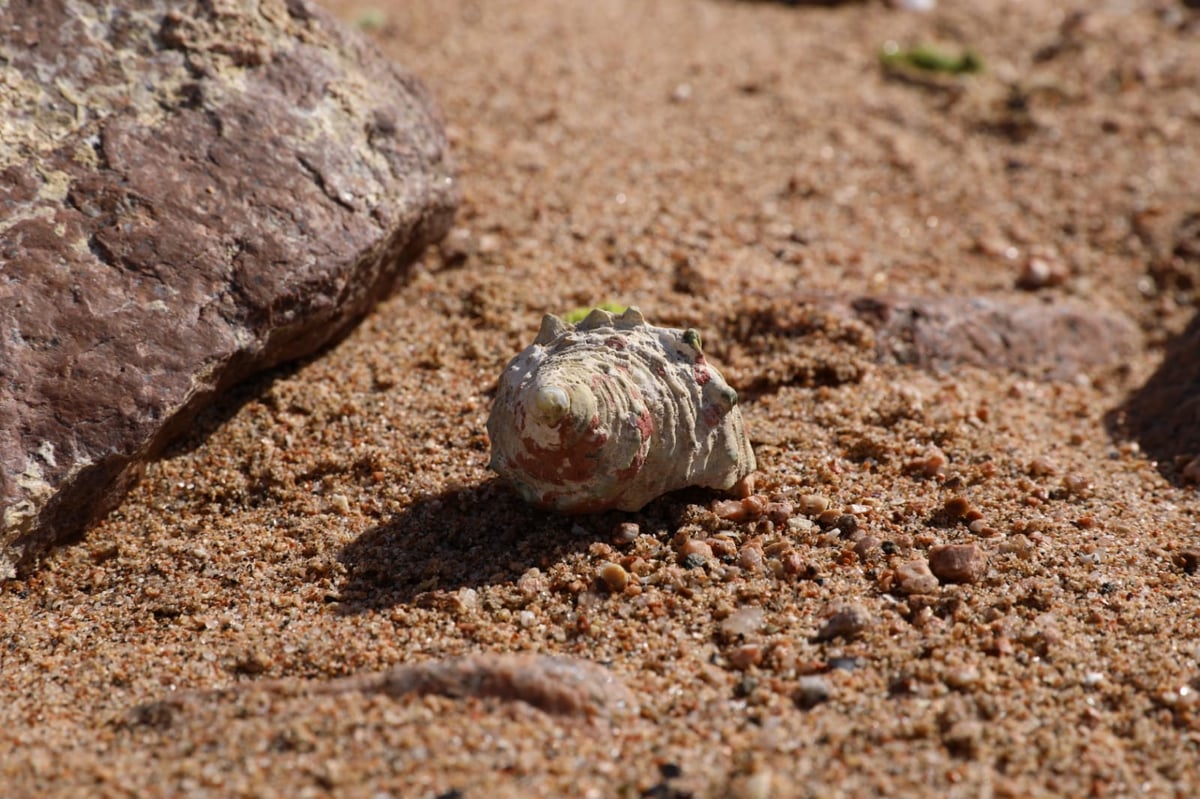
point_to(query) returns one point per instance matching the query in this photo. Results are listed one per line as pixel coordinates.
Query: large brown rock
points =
(188, 192)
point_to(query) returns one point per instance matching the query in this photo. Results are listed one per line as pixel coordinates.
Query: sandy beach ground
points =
(713, 163)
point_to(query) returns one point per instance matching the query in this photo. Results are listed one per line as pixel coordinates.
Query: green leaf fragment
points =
(931, 59)
(577, 315)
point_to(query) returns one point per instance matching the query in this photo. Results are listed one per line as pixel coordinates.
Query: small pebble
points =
(750, 557)
(957, 507)
(1042, 270)
(779, 512)
(1042, 466)
(811, 690)
(465, 600)
(930, 464)
(915, 577)
(780, 657)
(614, 576)
(845, 620)
(745, 656)
(1188, 559)
(695, 547)
(490, 243)
(722, 547)
(866, 546)
(532, 583)
(963, 738)
(340, 503)
(798, 524)
(812, 504)
(457, 246)
(1018, 544)
(742, 623)
(737, 510)
(599, 549)
(957, 563)
(982, 529)
(793, 564)
(777, 549)
(1076, 484)
(828, 518)
(755, 505)
(637, 565)
(730, 510)
(625, 533)
(963, 678)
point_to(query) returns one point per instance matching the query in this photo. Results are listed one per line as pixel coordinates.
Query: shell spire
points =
(551, 404)
(613, 412)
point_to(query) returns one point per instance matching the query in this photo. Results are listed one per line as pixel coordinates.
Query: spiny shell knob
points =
(613, 412)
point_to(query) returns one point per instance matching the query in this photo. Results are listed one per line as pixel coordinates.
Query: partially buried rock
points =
(845, 620)
(1054, 341)
(191, 192)
(820, 339)
(559, 685)
(811, 690)
(563, 686)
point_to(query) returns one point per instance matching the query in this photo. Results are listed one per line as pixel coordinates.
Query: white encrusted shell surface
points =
(613, 412)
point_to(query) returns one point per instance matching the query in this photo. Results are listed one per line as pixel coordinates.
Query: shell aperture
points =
(613, 412)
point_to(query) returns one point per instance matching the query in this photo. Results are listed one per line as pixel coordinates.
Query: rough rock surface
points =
(189, 192)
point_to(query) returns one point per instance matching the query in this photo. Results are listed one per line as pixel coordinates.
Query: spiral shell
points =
(613, 412)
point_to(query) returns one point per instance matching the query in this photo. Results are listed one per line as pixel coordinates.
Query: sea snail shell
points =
(613, 412)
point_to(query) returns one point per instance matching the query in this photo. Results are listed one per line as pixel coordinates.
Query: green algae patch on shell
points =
(611, 413)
